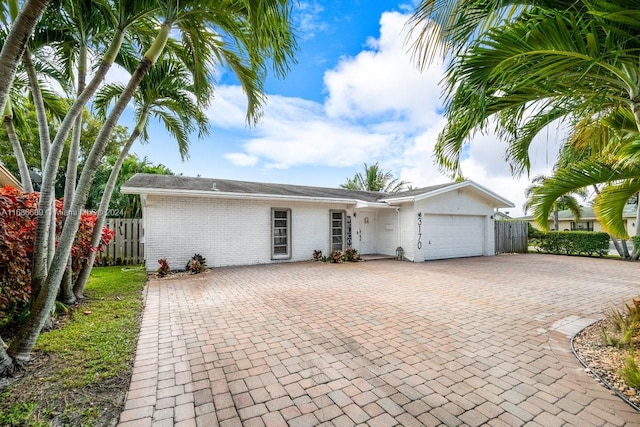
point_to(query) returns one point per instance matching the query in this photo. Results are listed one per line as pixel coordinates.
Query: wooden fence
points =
(511, 237)
(125, 248)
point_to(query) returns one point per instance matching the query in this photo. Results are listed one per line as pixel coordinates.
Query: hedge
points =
(574, 243)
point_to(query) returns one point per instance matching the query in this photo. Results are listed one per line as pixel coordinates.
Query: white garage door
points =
(453, 236)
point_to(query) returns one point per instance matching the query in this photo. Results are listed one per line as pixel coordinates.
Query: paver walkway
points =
(456, 342)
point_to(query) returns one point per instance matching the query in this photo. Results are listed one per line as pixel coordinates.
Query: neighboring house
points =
(588, 221)
(6, 178)
(236, 223)
(502, 216)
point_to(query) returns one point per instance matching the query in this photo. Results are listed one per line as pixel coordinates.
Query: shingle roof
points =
(173, 182)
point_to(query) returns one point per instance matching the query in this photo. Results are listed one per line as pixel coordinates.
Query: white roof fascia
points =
(226, 195)
(366, 205)
(457, 186)
(399, 200)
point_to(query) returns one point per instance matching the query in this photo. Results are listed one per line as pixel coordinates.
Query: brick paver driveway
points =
(457, 342)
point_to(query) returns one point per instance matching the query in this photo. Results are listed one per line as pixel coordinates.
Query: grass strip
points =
(82, 370)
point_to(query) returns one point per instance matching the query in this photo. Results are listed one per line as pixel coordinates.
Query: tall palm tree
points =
(15, 43)
(620, 183)
(547, 61)
(375, 179)
(84, 25)
(165, 93)
(243, 35)
(10, 55)
(545, 66)
(122, 16)
(25, 176)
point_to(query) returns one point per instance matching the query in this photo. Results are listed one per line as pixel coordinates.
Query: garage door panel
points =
(453, 236)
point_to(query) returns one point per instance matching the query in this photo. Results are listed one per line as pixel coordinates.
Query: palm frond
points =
(580, 175)
(610, 203)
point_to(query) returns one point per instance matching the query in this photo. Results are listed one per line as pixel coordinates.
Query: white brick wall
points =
(238, 232)
(228, 232)
(408, 217)
(387, 231)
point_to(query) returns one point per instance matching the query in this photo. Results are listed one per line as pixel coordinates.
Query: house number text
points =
(419, 230)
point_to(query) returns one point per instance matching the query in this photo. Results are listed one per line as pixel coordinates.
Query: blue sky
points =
(353, 97)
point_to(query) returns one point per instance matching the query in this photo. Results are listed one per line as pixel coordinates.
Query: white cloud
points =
(241, 159)
(377, 103)
(378, 108)
(307, 19)
(229, 109)
(381, 83)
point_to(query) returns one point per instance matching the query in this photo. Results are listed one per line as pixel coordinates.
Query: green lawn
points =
(82, 370)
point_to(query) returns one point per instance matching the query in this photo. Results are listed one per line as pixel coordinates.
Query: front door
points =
(367, 232)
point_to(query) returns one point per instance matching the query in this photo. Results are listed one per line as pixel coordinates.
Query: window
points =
(281, 233)
(337, 230)
(582, 226)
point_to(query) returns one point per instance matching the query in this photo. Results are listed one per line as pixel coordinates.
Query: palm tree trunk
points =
(5, 359)
(556, 220)
(74, 148)
(636, 250)
(621, 245)
(38, 102)
(25, 178)
(67, 295)
(81, 281)
(25, 340)
(47, 193)
(15, 43)
(45, 145)
(621, 248)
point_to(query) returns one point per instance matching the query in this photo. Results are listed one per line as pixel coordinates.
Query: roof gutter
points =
(226, 195)
(458, 186)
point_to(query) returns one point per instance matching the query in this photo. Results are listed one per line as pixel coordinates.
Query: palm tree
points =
(15, 43)
(528, 74)
(552, 60)
(564, 202)
(620, 184)
(83, 25)
(243, 35)
(10, 55)
(165, 93)
(123, 16)
(545, 62)
(25, 177)
(375, 179)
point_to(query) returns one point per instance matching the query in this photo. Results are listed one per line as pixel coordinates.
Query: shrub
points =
(164, 269)
(631, 372)
(534, 233)
(625, 324)
(636, 242)
(574, 243)
(336, 257)
(18, 217)
(317, 255)
(351, 255)
(197, 264)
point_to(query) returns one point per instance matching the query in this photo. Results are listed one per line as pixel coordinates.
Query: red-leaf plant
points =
(18, 213)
